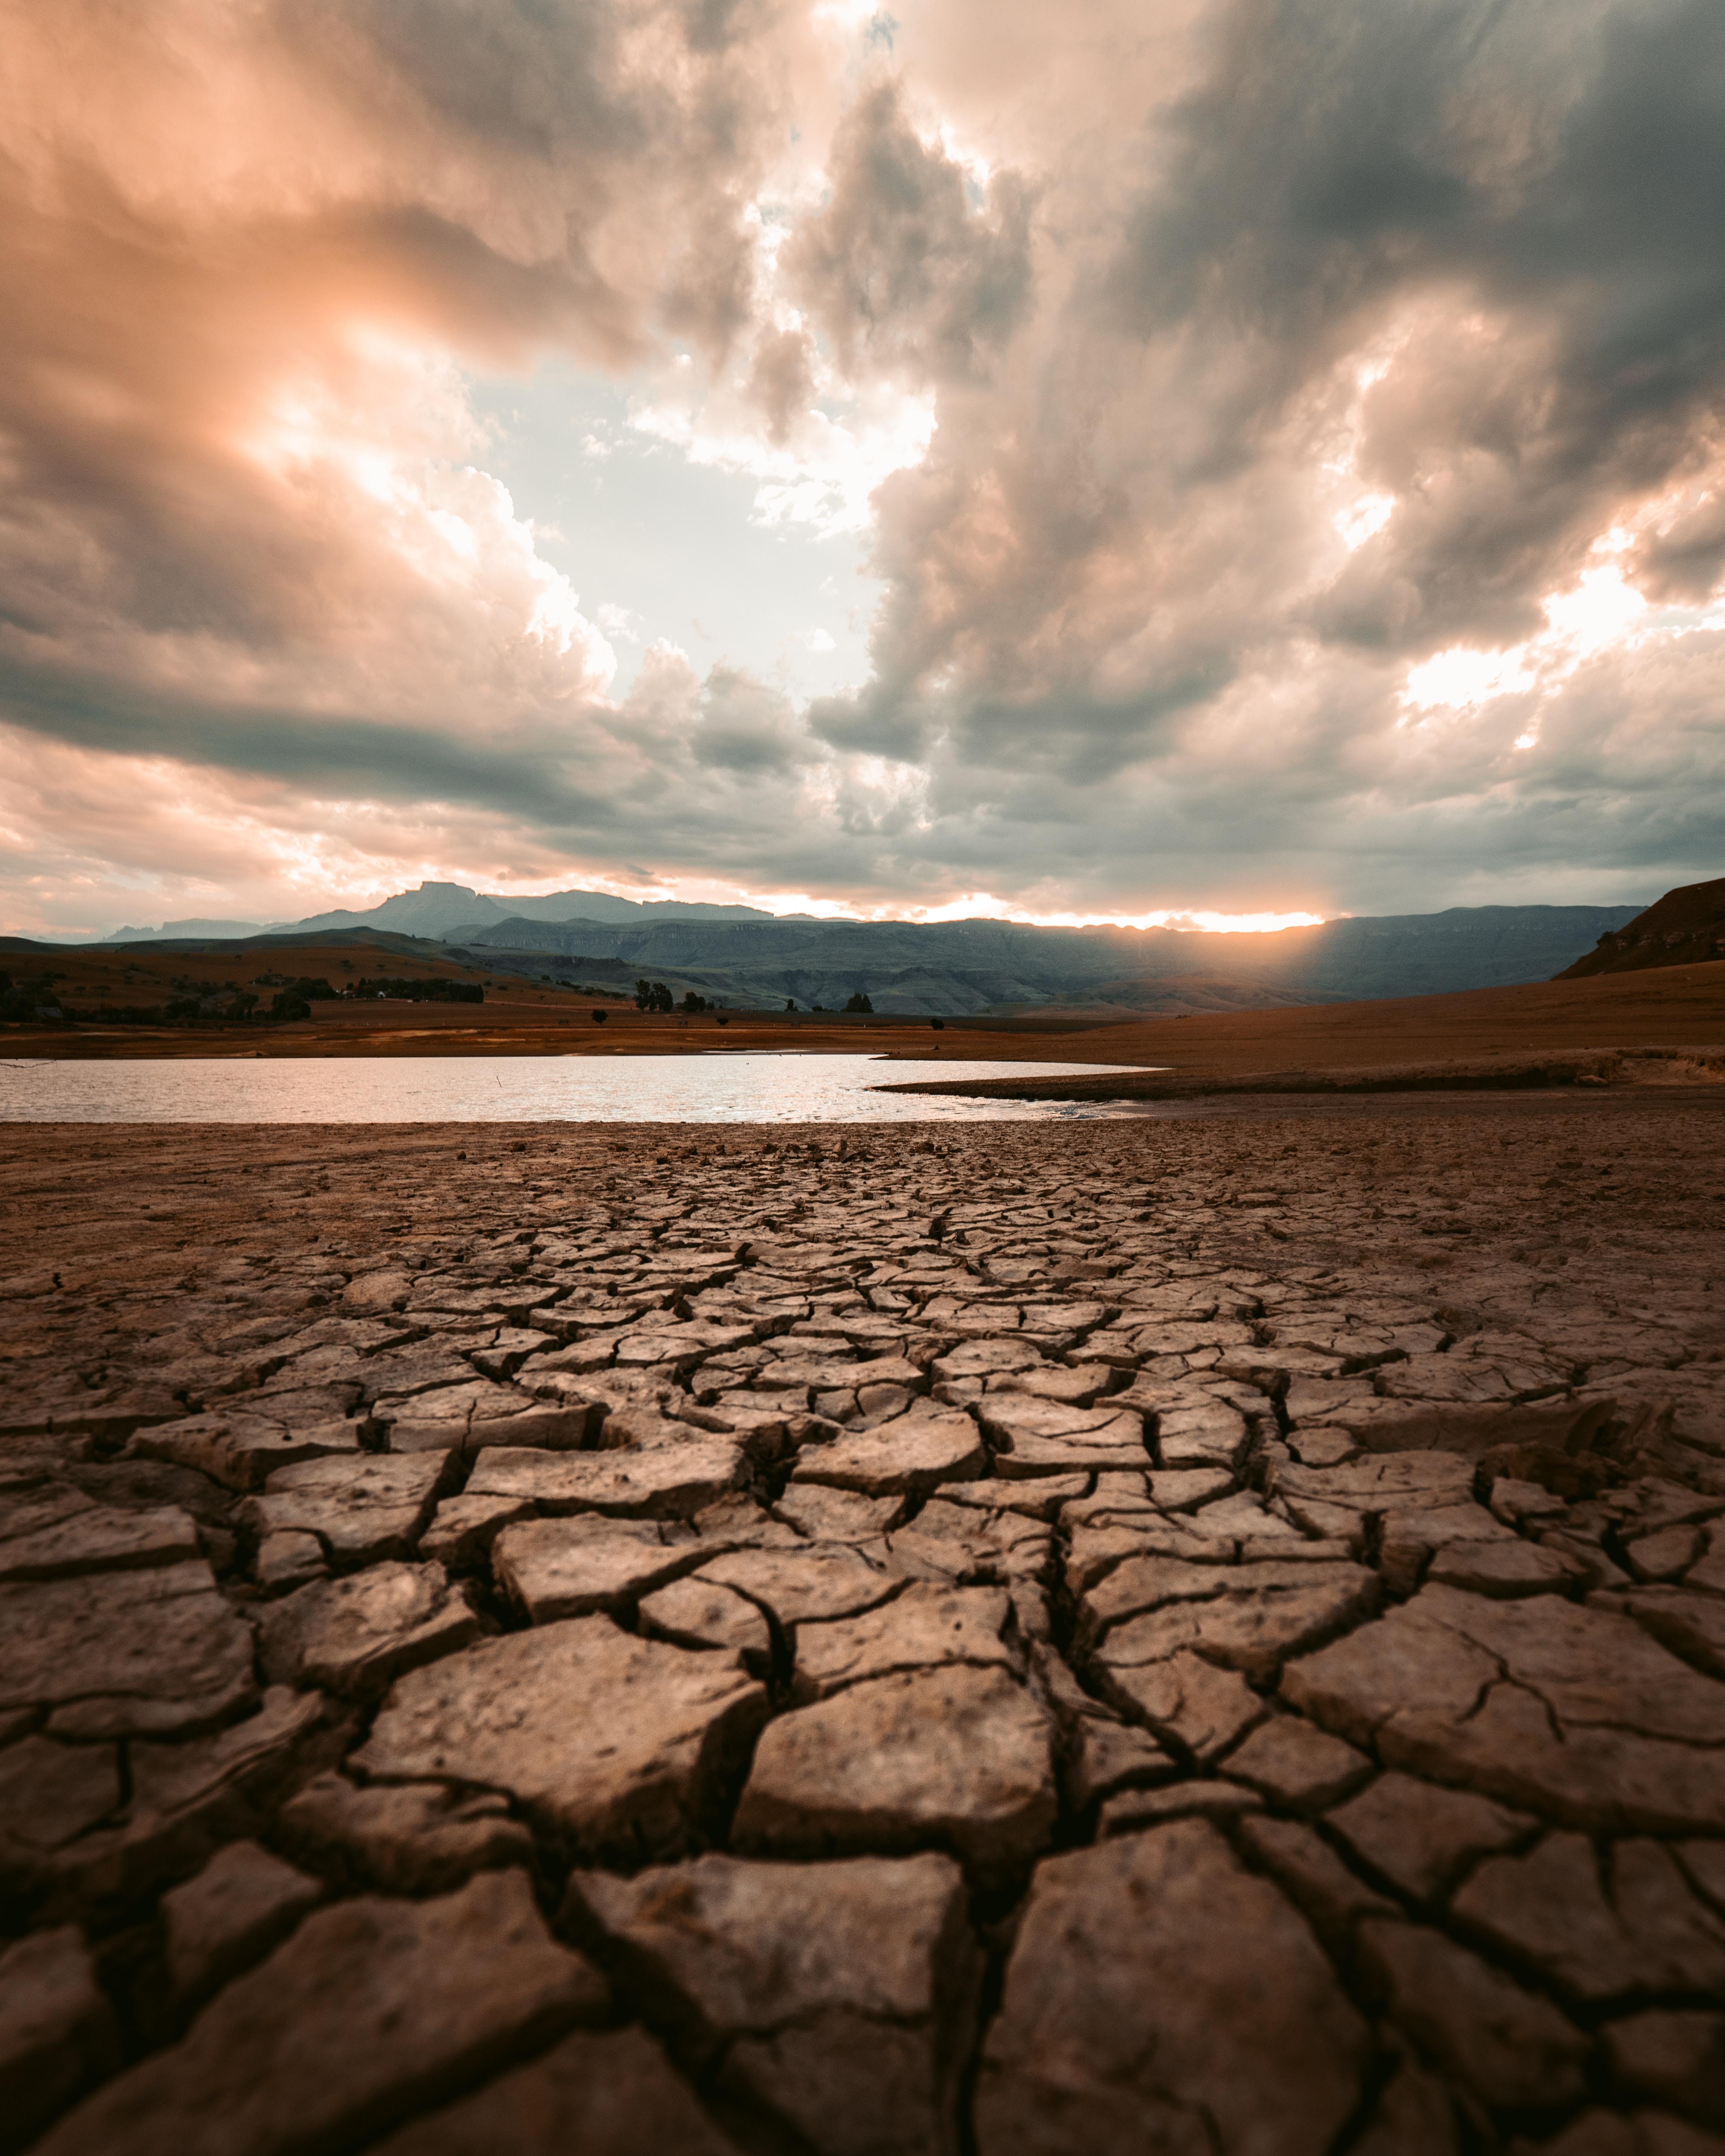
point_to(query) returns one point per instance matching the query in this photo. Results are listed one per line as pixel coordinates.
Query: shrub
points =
(599, 1016)
(938, 1024)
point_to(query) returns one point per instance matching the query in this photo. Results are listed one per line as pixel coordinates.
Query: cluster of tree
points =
(295, 1000)
(858, 1001)
(654, 996)
(22, 999)
(429, 991)
(242, 1004)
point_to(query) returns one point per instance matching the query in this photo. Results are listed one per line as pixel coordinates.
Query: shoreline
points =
(1616, 1068)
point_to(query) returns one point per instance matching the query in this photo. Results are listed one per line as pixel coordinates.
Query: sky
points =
(1251, 460)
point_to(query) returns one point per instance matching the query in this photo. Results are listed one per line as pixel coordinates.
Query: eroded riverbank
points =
(1184, 1634)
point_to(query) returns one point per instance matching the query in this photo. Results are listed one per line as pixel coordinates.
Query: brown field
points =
(1679, 1007)
(543, 1025)
(1487, 1035)
(1673, 1007)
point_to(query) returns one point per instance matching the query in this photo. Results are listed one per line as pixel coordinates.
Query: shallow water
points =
(735, 1086)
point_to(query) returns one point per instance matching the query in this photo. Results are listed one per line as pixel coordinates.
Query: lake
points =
(734, 1087)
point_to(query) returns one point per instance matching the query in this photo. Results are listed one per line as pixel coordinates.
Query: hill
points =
(1684, 927)
(98, 980)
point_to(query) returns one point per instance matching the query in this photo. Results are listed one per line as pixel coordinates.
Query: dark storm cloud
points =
(1460, 258)
(1555, 164)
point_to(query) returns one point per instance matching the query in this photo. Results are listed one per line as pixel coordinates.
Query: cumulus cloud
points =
(1288, 433)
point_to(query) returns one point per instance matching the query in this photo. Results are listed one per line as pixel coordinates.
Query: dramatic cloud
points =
(1288, 434)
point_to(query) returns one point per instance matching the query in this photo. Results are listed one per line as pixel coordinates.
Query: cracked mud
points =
(1202, 1637)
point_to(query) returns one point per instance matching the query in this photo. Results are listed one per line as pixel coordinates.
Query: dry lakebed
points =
(1202, 1636)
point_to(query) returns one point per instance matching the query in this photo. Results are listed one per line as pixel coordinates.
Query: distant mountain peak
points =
(438, 909)
(170, 929)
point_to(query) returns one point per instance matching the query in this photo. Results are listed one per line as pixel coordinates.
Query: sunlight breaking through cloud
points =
(1142, 510)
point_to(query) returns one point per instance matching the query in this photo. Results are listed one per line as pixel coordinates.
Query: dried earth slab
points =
(1160, 1996)
(570, 1567)
(669, 1483)
(1247, 1617)
(373, 2010)
(244, 1901)
(360, 1510)
(927, 1627)
(403, 1838)
(621, 1747)
(356, 1635)
(600, 2093)
(1570, 1712)
(839, 1996)
(56, 2029)
(126, 1654)
(954, 1758)
(914, 1452)
(56, 1532)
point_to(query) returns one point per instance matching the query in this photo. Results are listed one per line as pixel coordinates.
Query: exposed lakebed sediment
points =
(1202, 1636)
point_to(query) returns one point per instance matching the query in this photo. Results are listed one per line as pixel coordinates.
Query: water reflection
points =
(741, 1086)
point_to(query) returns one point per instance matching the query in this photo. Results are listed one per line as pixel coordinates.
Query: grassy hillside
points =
(1685, 927)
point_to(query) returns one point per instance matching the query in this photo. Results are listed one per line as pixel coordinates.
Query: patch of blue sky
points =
(662, 547)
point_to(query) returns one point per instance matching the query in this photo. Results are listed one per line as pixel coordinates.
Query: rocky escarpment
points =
(1199, 1637)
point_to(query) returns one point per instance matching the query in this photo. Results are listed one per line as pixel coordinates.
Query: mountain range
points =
(743, 956)
(964, 967)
